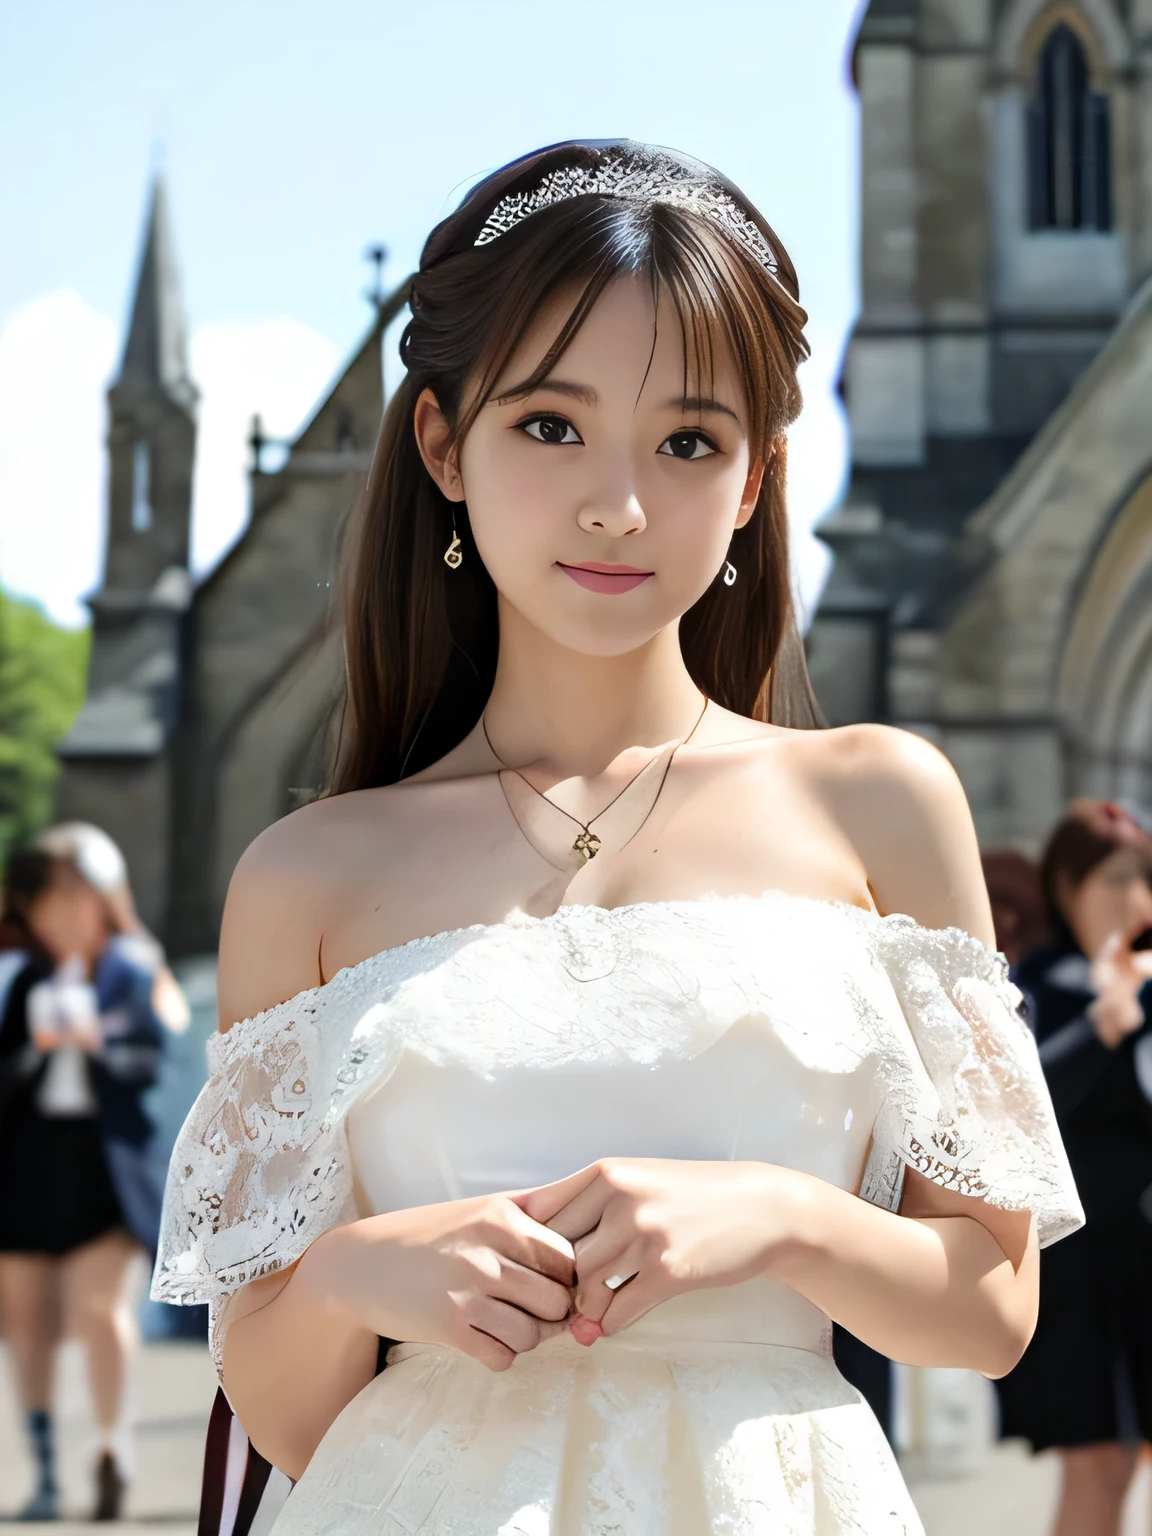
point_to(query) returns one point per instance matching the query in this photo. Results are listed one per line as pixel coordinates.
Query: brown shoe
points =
(111, 1486)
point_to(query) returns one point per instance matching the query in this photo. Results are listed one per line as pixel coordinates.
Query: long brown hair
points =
(421, 639)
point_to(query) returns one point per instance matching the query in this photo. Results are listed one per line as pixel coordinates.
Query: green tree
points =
(42, 676)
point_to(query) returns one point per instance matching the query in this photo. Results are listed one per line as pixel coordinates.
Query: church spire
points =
(154, 353)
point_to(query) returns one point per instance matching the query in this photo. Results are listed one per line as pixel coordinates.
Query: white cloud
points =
(56, 358)
(276, 369)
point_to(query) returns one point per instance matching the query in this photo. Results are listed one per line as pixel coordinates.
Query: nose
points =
(613, 508)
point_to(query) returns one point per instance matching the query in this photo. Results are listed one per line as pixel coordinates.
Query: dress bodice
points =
(778, 1028)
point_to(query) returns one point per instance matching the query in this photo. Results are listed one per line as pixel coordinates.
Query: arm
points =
(476, 1274)
(131, 1037)
(950, 1280)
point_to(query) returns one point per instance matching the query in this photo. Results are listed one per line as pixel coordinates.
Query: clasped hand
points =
(646, 1229)
(495, 1275)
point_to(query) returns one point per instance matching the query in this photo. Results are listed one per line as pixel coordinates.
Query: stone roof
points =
(154, 353)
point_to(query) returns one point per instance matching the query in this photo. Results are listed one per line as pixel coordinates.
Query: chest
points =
(439, 1131)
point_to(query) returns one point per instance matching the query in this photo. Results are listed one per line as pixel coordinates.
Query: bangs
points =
(725, 304)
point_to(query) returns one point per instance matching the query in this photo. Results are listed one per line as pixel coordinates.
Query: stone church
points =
(209, 703)
(992, 584)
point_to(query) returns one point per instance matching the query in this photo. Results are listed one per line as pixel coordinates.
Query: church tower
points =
(115, 758)
(1006, 224)
(152, 437)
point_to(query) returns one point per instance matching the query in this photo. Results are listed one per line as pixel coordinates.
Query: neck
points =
(574, 714)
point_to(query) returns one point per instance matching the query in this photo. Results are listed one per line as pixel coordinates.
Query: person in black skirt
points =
(80, 1042)
(1084, 1385)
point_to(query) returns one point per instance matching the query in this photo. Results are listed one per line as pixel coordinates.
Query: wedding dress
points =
(782, 1029)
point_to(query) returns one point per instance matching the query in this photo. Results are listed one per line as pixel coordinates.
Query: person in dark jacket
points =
(81, 1037)
(1084, 1385)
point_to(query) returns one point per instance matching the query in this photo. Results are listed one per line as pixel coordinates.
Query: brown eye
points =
(688, 445)
(551, 429)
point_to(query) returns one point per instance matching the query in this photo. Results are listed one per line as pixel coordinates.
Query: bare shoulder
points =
(283, 890)
(902, 806)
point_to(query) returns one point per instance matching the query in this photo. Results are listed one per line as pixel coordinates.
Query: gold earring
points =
(454, 555)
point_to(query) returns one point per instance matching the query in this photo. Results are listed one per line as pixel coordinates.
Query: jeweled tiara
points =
(618, 176)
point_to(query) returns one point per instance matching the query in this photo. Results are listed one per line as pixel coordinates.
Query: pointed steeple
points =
(154, 353)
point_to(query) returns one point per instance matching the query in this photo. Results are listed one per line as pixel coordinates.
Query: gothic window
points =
(141, 488)
(1069, 154)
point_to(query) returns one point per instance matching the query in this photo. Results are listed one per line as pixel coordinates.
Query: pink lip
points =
(605, 578)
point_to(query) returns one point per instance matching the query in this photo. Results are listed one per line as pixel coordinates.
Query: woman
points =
(1085, 1384)
(1019, 912)
(593, 1033)
(80, 1042)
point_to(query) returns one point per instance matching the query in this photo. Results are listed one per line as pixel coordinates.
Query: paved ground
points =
(1007, 1494)
(175, 1387)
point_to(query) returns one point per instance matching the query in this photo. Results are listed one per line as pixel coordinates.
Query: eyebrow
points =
(582, 392)
(700, 404)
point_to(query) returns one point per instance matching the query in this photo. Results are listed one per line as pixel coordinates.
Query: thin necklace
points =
(587, 844)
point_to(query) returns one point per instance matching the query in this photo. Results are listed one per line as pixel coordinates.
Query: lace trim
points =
(261, 1167)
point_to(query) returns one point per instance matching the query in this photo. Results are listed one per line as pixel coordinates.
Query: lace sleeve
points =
(968, 1106)
(261, 1166)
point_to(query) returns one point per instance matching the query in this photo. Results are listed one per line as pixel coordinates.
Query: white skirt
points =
(632, 1437)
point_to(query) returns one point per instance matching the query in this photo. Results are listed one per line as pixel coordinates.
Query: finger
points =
(506, 1324)
(582, 1214)
(631, 1303)
(481, 1346)
(543, 1202)
(600, 1284)
(534, 1245)
(533, 1293)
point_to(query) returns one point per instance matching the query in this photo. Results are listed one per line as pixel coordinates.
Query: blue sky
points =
(292, 136)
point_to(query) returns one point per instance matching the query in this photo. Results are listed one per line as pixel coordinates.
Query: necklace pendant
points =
(587, 845)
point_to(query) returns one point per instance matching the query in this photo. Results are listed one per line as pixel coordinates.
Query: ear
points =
(751, 494)
(434, 440)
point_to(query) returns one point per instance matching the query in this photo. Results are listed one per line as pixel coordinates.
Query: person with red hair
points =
(1084, 1385)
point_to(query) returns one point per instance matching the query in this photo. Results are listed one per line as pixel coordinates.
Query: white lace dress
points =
(797, 1032)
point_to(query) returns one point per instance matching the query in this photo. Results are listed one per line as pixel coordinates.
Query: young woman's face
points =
(1116, 897)
(603, 502)
(68, 917)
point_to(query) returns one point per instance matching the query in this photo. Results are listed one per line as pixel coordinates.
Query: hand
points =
(663, 1227)
(1118, 974)
(478, 1274)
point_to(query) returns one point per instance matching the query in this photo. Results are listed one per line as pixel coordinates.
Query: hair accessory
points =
(729, 574)
(667, 181)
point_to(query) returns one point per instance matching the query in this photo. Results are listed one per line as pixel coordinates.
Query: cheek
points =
(693, 508)
(517, 501)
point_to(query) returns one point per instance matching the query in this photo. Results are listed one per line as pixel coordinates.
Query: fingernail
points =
(584, 1330)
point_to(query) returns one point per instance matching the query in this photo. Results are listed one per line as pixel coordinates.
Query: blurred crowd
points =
(87, 1002)
(1077, 931)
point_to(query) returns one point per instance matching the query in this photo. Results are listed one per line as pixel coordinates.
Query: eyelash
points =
(540, 416)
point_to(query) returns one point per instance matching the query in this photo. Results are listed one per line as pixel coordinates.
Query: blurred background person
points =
(84, 998)
(1019, 911)
(1084, 1386)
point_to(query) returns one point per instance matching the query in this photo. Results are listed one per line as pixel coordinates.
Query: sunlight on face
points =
(605, 466)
